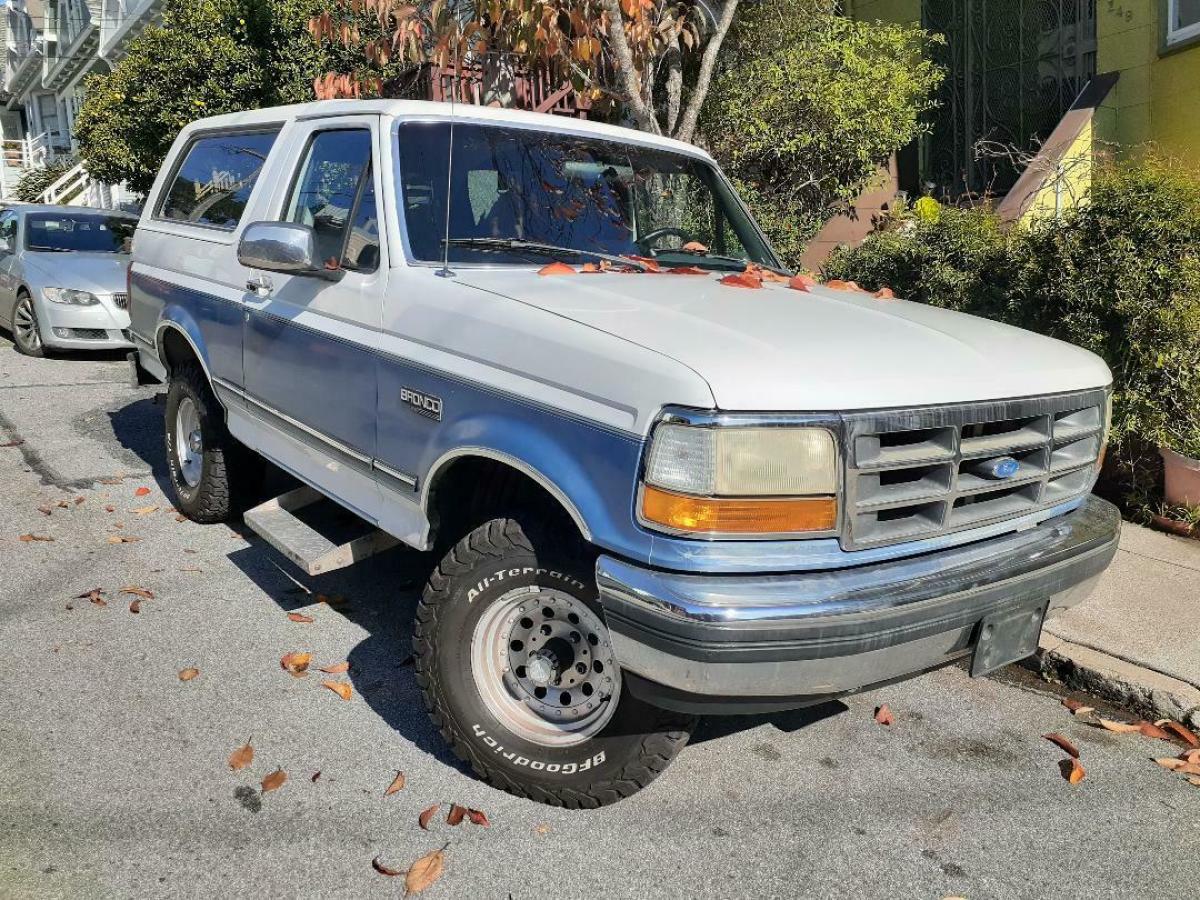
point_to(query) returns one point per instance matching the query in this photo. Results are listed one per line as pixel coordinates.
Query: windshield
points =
(83, 232)
(572, 192)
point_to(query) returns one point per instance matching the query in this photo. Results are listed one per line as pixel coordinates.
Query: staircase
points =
(17, 155)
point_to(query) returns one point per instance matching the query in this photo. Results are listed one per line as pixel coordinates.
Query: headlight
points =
(767, 480)
(70, 295)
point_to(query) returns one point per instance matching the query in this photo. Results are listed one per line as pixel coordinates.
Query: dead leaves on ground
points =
(189, 673)
(883, 715)
(1186, 763)
(31, 538)
(336, 668)
(1066, 745)
(141, 492)
(274, 781)
(122, 539)
(301, 618)
(396, 785)
(296, 663)
(427, 814)
(241, 757)
(133, 589)
(1072, 770)
(340, 688)
(95, 595)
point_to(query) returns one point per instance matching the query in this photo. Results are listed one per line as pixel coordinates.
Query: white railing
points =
(72, 185)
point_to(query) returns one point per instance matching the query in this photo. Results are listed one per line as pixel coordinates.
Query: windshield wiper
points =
(37, 249)
(535, 247)
(716, 257)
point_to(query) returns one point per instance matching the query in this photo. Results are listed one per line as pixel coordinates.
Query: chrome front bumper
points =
(772, 641)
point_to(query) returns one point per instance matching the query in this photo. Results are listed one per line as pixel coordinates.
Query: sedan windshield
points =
(577, 195)
(80, 232)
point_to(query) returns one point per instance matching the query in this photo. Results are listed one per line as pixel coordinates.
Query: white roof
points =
(424, 109)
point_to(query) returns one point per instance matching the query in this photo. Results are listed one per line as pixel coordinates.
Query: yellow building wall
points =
(1158, 96)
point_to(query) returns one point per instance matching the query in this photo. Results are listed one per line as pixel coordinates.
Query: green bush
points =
(807, 107)
(34, 181)
(1119, 275)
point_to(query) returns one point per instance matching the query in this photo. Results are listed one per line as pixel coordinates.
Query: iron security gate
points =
(1013, 67)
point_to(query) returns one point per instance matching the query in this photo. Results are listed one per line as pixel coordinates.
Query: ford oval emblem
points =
(1002, 467)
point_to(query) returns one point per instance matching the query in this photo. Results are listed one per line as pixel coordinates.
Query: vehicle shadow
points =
(138, 428)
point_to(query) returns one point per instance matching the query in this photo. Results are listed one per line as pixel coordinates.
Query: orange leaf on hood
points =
(1056, 738)
(687, 270)
(295, 662)
(340, 688)
(801, 282)
(300, 617)
(241, 757)
(274, 781)
(836, 284)
(884, 293)
(557, 268)
(742, 280)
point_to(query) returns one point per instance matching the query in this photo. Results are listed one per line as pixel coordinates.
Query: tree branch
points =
(708, 64)
(674, 87)
(642, 112)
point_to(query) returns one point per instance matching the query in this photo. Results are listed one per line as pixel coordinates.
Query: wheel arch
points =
(175, 345)
(440, 490)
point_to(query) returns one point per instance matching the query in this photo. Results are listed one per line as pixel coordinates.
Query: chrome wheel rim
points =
(544, 666)
(189, 442)
(25, 328)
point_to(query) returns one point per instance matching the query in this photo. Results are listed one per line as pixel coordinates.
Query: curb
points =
(1143, 691)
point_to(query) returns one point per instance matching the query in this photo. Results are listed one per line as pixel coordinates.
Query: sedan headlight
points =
(741, 481)
(70, 295)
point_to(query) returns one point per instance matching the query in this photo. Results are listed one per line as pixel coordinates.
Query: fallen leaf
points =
(1083, 711)
(135, 606)
(396, 785)
(274, 781)
(181, 518)
(1190, 755)
(1184, 734)
(541, 829)
(112, 479)
(384, 870)
(1151, 730)
(144, 510)
(142, 592)
(95, 595)
(315, 776)
(1056, 738)
(557, 268)
(340, 688)
(1192, 779)
(1120, 727)
(883, 715)
(15, 443)
(189, 673)
(122, 539)
(28, 538)
(478, 817)
(884, 293)
(296, 662)
(455, 816)
(1170, 762)
(241, 757)
(46, 509)
(742, 280)
(300, 617)
(427, 814)
(837, 284)
(336, 668)
(63, 504)
(1070, 704)
(1072, 770)
(424, 872)
(687, 270)
(110, 508)
(79, 500)
(141, 492)
(694, 247)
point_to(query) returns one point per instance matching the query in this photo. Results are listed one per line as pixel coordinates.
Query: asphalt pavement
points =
(114, 778)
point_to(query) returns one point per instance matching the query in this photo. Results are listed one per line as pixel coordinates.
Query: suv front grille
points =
(918, 473)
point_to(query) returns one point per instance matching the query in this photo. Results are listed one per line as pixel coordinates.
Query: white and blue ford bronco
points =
(656, 475)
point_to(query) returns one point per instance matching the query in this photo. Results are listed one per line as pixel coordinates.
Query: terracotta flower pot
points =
(1181, 477)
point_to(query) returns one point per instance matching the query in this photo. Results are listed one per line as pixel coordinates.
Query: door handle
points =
(260, 285)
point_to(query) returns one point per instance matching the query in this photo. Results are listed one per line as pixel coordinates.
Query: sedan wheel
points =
(25, 328)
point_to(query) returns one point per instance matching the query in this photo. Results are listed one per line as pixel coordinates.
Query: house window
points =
(1183, 20)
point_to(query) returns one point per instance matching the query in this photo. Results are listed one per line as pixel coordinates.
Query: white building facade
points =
(50, 47)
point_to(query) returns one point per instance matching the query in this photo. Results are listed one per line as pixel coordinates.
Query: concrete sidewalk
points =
(1136, 640)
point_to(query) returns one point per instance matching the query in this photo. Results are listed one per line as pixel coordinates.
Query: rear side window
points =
(213, 183)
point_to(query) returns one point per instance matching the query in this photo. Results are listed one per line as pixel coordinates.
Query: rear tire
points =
(516, 668)
(212, 474)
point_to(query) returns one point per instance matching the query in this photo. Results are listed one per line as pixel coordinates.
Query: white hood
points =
(782, 349)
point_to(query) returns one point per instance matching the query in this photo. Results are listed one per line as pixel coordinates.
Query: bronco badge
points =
(424, 404)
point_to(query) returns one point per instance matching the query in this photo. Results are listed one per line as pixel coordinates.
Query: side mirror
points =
(283, 247)
(5, 245)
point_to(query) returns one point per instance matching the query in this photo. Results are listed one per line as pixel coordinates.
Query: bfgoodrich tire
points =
(517, 672)
(213, 475)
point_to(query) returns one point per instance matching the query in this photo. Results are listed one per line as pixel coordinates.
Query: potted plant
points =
(1181, 478)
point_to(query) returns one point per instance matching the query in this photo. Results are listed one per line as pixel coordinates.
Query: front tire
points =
(211, 472)
(517, 671)
(27, 335)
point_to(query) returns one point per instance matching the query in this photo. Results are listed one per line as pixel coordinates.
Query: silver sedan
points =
(63, 277)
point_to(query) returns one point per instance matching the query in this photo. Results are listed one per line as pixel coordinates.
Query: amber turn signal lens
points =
(736, 515)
